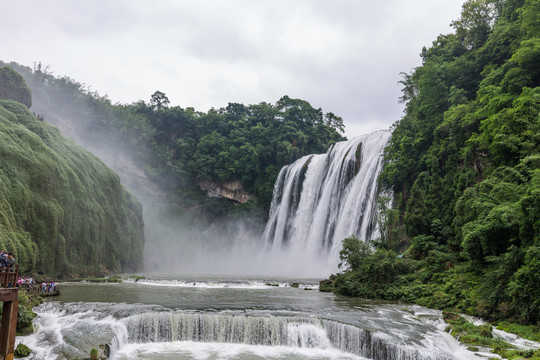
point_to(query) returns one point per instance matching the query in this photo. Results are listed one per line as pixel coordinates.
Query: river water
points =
(168, 316)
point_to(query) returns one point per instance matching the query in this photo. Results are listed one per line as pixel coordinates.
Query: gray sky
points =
(343, 56)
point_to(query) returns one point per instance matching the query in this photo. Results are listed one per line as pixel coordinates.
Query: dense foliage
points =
(62, 211)
(238, 142)
(179, 147)
(464, 167)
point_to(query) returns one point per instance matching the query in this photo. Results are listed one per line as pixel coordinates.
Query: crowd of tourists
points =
(25, 281)
(46, 287)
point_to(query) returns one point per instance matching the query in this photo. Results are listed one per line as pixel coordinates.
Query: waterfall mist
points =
(318, 201)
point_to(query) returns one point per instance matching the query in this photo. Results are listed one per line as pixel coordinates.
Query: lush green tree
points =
(159, 100)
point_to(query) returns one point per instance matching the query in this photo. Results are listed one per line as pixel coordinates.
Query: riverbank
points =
(382, 275)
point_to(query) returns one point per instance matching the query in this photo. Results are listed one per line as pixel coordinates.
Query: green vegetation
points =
(137, 278)
(531, 332)
(25, 314)
(94, 354)
(463, 165)
(22, 351)
(481, 335)
(13, 86)
(180, 147)
(63, 213)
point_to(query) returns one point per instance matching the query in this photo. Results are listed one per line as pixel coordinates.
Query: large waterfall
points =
(321, 199)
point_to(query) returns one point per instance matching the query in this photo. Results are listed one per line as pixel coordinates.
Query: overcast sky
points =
(343, 56)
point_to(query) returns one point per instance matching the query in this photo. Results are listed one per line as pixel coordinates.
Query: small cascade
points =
(321, 199)
(71, 330)
(358, 341)
(223, 328)
(300, 332)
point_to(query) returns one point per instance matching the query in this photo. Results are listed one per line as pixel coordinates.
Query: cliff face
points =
(231, 190)
(62, 211)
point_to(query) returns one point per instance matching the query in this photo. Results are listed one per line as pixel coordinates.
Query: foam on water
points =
(247, 284)
(183, 350)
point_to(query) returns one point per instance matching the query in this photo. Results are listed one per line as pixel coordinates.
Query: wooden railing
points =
(9, 276)
(8, 295)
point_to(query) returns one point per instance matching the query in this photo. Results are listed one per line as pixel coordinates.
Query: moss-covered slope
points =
(62, 211)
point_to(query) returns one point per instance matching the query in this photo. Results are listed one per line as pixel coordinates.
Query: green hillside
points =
(62, 211)
(463, 166)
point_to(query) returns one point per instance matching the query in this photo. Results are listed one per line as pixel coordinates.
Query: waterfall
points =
(321, 199)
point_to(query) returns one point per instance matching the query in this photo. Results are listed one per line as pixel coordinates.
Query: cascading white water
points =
(269, 331)
(66, 331)
(321, 199)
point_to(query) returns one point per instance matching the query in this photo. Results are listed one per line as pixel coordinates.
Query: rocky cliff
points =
(231, 190)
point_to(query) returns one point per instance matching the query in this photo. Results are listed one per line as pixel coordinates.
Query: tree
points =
(334, 121)
(353, 253)
(159, 100)
(477, 17)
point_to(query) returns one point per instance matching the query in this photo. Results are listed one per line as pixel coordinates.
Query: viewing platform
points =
(8, 284)
(8, 295)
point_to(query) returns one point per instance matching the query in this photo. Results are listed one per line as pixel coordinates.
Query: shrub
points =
(22, 351)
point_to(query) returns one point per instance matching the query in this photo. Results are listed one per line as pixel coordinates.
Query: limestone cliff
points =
(231, 190)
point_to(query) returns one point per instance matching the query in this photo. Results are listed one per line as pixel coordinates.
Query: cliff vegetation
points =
(63, 213)
(463, 168)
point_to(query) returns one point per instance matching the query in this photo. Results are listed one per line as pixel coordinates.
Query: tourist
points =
(11, 261)
(3, 258)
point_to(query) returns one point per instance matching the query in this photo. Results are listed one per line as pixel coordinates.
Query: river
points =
(166, 316)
